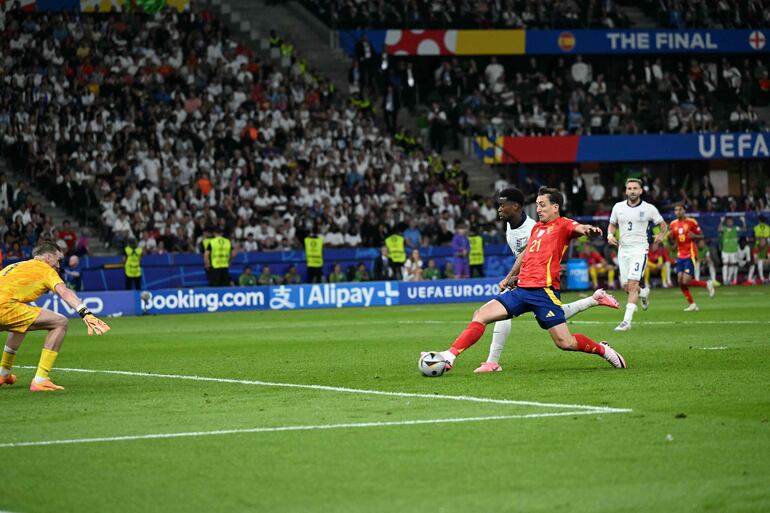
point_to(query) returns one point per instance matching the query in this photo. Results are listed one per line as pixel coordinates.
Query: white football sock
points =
(499, 337)
(578, 306)
(644, 292)
(630, 309)
(448, 356)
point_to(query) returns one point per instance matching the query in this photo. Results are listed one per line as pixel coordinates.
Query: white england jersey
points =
(632, 223)
(518, 237)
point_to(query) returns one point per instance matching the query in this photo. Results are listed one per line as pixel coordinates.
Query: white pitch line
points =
(717, 348)
(221, 432)
(673, 322)
(597, 409)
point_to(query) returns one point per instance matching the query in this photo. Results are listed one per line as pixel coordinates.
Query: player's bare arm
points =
(661, 236)
(611, 229)
(93, 324)
(509, 281)
(588, 230)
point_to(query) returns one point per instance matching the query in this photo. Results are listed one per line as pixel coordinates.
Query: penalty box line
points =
(222, 432)
(593, 409)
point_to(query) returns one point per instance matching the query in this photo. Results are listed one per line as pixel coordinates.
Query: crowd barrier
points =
(175, 270)
(293, 297)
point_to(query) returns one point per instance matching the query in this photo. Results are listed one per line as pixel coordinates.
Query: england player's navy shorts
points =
(544, 303)
(685, 265)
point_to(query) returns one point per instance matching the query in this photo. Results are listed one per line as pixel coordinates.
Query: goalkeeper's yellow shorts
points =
(17, 317)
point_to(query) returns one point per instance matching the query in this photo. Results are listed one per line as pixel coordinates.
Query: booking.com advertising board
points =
(294, 297)
(557, 42)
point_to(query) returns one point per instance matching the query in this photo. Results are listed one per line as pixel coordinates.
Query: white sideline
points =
(594, 409)
(290, 428)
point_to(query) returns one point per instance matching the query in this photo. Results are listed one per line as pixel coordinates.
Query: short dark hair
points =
(511, 194)
(46, 247)
(679, 204)
(554, 196)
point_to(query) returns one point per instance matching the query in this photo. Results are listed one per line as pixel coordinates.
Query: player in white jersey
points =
(631, 219)
(518, 229)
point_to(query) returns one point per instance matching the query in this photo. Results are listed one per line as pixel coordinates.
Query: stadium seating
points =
(170, 126)
(342, 14)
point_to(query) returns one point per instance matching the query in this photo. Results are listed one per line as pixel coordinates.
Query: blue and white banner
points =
(281, 297)
(447, 291)
(641, 41)
(166, 301)
(334, 295)
(102, 304)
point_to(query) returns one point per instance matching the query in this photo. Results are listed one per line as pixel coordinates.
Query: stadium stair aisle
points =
(637, 16)
(57, 213)
(308, 35)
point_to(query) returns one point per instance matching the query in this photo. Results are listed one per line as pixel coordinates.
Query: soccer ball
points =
(432, 365)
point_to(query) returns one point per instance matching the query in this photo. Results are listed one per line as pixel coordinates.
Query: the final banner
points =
(557, 42)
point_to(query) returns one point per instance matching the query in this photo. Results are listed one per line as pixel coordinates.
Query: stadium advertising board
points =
(447, 291)
(279, 297)
(557, 42)
(623, 148)
(103, 304)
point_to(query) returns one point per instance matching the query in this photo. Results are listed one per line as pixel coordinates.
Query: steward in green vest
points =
(396, 253)
(132, 265)
(275, 41)
(476, 256)
(216, 259)
(287, 49)
(314, 257)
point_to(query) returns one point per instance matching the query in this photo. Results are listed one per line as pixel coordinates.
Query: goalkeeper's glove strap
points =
(83, 310)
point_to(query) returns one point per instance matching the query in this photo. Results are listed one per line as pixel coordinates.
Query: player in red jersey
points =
(685, 231)
(538, 286)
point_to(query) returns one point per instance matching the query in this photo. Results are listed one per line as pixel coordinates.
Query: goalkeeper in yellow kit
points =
(26, 281)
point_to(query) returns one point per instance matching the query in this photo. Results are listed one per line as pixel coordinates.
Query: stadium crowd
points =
(164, 127)
(478, 14)
(558, 95)
(170, 126)
(708, 14)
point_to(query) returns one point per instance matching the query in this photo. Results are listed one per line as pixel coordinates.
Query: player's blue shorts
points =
(685, 265)
(544, 303)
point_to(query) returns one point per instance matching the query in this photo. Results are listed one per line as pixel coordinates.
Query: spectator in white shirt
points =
(596, 191)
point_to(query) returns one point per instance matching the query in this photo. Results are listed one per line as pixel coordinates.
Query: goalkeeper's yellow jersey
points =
(26, 281)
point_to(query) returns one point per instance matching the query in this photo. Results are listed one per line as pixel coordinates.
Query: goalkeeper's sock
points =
(499, 337)
(47, 359)
(686, 291)
(587, 345)
(468, 337)
(9, 355)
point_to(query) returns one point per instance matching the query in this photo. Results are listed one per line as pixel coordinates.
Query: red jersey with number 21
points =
(547, 244)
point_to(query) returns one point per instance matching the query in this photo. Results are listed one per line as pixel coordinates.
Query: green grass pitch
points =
(697, 438)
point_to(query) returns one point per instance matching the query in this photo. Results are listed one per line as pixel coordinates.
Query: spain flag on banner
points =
(489, 150)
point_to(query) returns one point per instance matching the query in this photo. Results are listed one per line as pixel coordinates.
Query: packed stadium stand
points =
(160, 127)
(172, 125)
(419, 14)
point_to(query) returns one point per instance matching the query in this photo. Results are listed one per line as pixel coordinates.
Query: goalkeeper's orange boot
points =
(10, 379)
(45, 386)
